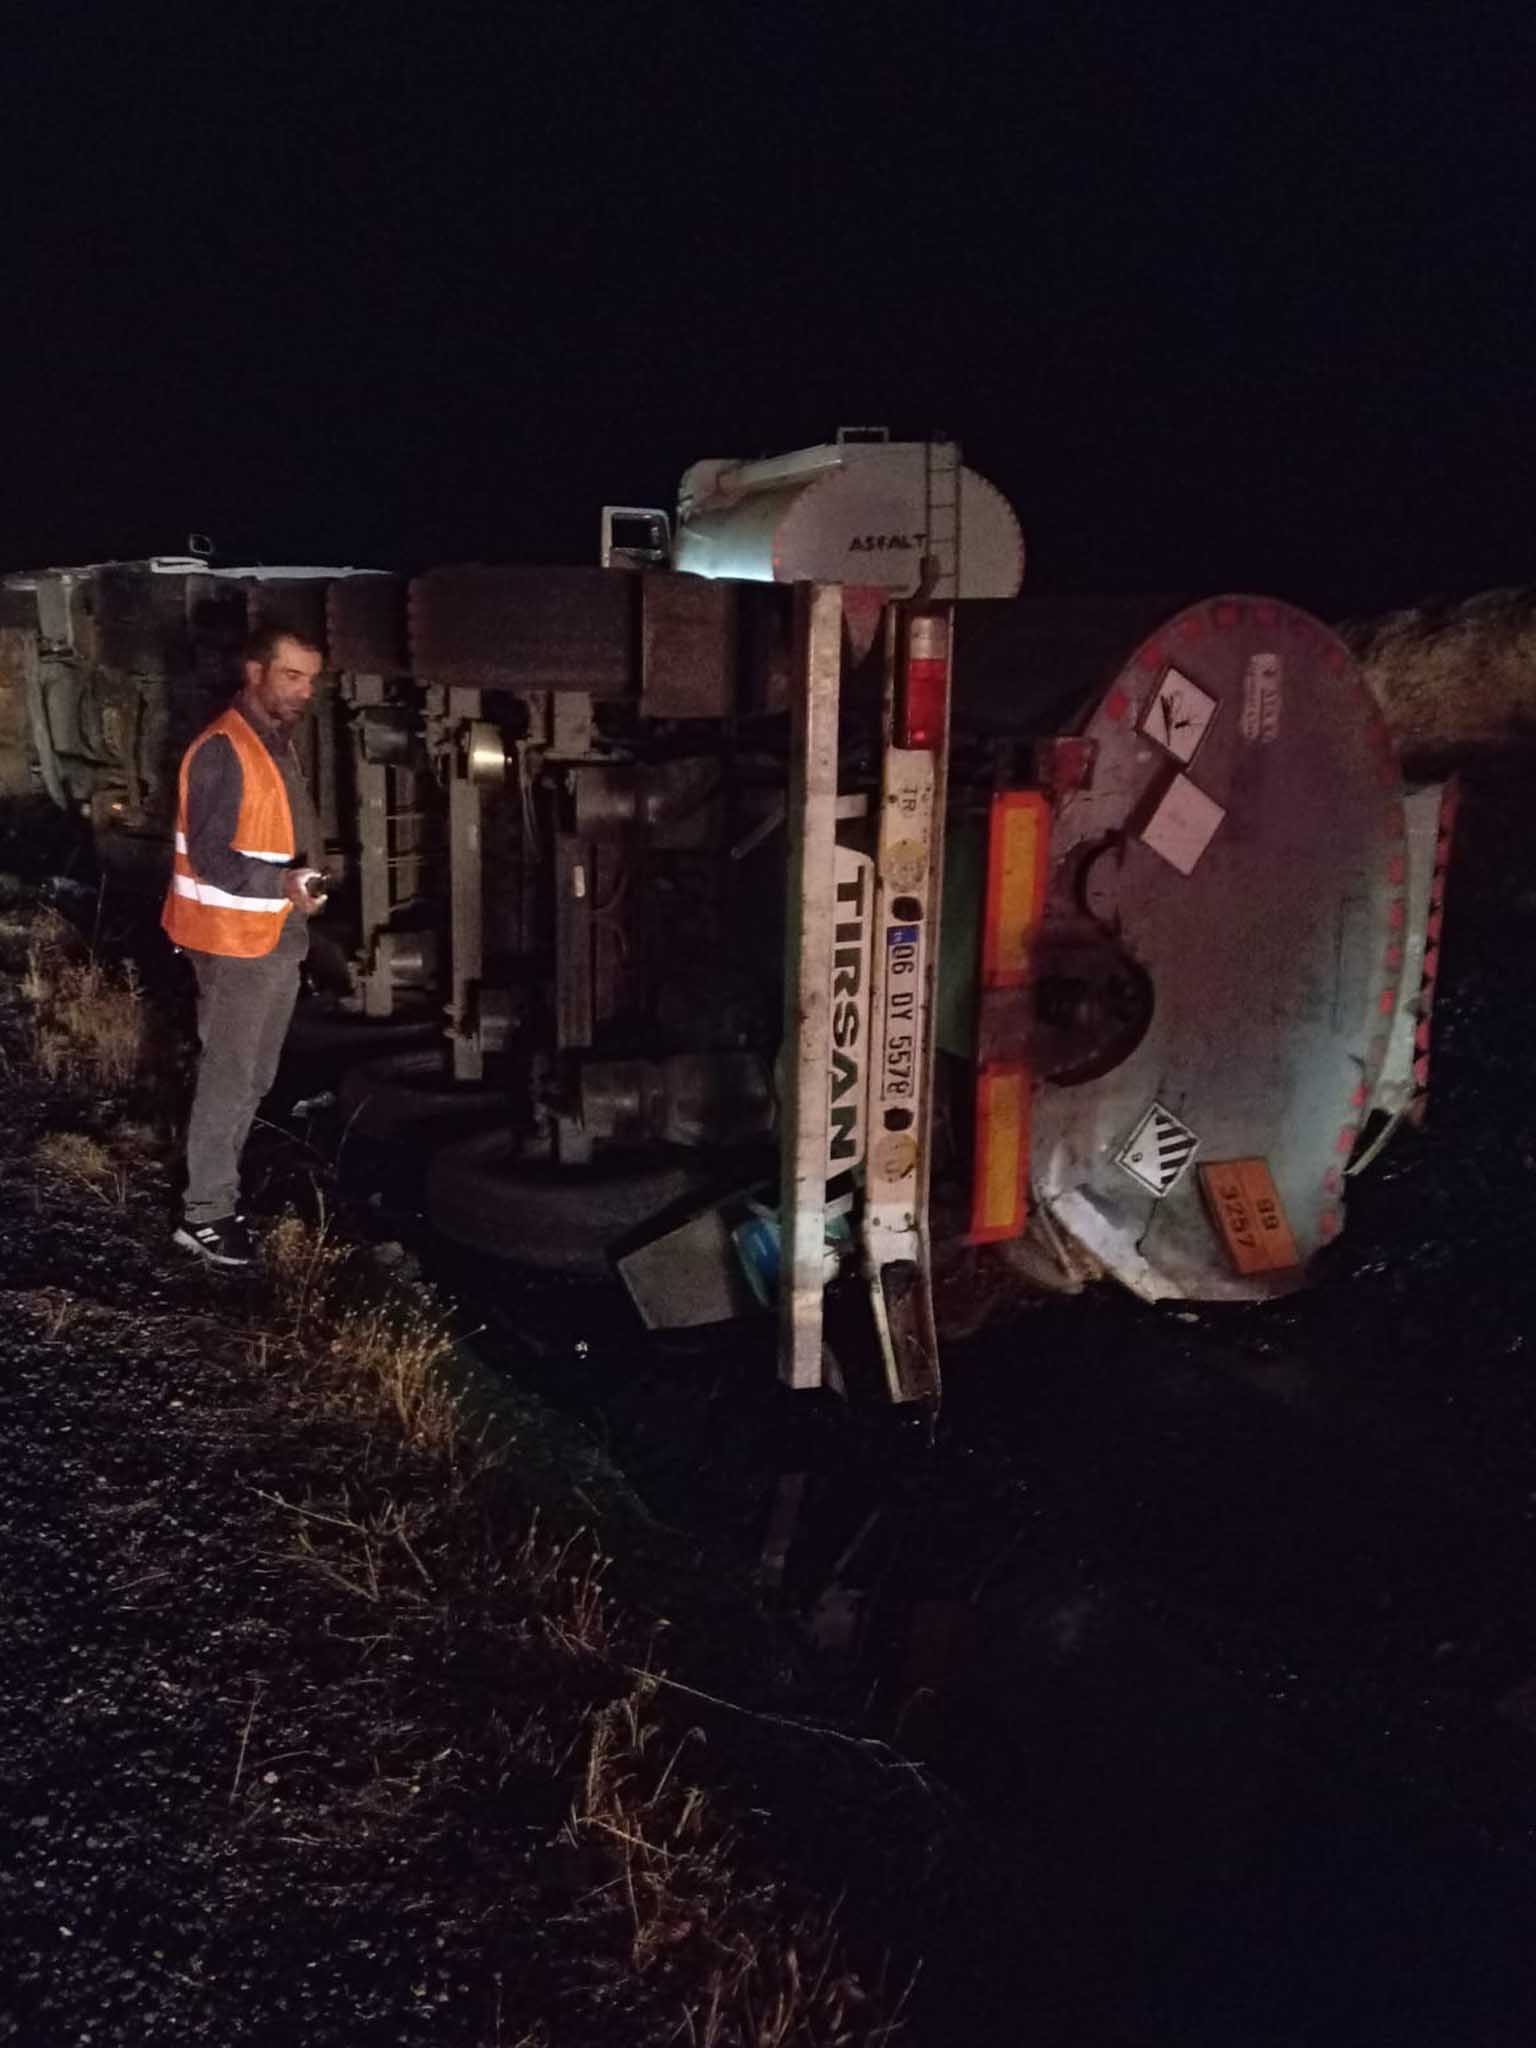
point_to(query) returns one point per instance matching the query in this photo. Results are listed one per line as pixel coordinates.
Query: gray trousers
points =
(243, 1012)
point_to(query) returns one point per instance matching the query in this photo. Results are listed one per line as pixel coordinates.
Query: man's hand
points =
(298, 895)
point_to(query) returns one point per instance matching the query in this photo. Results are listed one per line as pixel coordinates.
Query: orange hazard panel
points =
(1000, 1193)
(1249, 1214)
(1016, 876)
(1018, 840)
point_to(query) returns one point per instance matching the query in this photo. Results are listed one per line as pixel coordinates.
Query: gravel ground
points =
(1238, 1733)
(292, 1725)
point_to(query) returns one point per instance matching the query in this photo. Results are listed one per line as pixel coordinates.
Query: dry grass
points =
(1453, 675)
(72, 1156)
(766, 1978)
(381, 1350)
(425, 1536)
(649, 1856)
(88, 1020)
(658, 1867)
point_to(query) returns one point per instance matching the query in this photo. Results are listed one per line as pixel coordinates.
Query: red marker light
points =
(925, 688)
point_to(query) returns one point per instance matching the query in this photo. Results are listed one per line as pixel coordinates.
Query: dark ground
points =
(1238, 1665)
(1238, 1718)
(290, 1726)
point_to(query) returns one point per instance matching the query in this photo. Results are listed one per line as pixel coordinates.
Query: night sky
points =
(1238, 297)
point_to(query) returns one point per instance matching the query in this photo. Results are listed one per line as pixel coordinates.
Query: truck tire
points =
(401, 1095)
(557, 1219)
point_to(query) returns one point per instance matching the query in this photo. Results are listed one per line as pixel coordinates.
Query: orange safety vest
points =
(211, 920)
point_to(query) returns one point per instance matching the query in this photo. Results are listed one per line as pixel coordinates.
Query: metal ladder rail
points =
(942, 513)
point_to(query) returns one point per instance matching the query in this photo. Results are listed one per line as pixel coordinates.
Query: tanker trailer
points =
(667, 850)
(1139, 1034)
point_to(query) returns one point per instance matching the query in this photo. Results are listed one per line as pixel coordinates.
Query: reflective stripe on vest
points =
(220, 899)
(212, 920)
(250, 852)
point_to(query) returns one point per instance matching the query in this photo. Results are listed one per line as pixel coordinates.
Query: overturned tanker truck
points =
(788, 929)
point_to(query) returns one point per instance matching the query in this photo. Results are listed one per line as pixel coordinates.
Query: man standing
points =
(238, 906)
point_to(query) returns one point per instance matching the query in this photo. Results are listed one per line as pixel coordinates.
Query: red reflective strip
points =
(1395, 868)
(1116, 705)
(1328, 1223)
(1345, 1141)
(1396, 914)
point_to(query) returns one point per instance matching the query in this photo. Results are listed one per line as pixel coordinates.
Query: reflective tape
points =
(1000, 1187)
(220, 899)
(250, 852)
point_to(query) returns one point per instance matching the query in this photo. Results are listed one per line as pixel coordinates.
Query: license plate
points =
(903, 1013)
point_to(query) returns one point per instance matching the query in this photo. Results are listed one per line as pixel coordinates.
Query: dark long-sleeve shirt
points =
(215, 786)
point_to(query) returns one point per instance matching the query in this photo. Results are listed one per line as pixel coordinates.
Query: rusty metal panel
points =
(18, 608)
(688, 647)
(365, 625)
(765, 613)
(527, 629)
(141, 620)
(574, 992)
(299, 603)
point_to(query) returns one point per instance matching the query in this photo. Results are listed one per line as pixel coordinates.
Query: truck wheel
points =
(559, 1219)
(398, 1096)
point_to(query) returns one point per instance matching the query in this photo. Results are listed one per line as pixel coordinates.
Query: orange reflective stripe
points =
(1000, 1189)
(1018, 844)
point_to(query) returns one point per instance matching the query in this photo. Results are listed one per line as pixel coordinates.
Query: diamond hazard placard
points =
(1183, 825)
(1158, 1150)
(1178, 715)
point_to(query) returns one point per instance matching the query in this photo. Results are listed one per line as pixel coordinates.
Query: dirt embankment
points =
(312, 1726)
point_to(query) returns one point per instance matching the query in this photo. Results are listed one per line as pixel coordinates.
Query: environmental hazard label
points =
(1158, 1150)
(1179, 714)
